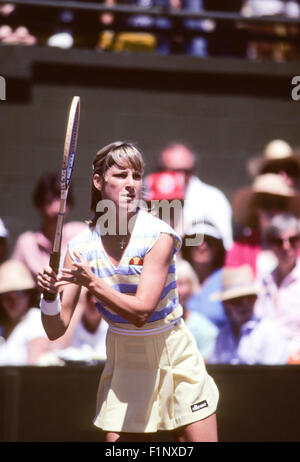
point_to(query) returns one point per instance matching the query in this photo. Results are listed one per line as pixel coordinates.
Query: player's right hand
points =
(46, 280)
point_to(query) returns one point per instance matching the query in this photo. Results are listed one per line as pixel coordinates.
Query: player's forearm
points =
(54, 326)
(131, 307)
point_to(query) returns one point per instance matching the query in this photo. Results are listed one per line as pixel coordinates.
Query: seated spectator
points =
(203, 330)
(280, 294)
(3, 242)
(139, 32)
(13, 28)
(272, 40)
(22, 336)
(33, 248)
(278, 157)
(253, 208)
(203, 248)
(195, 30)
(201, 199)
(90, 333)
(246, 338)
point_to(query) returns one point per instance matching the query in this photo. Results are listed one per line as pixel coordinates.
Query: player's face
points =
(120, 185)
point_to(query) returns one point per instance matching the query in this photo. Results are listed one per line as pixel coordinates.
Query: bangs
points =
(126, 157)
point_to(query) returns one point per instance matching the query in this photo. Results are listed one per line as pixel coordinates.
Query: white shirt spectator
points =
(13, 350)
(210, 203)
(271, 7)
(96, 341)
(260, 342)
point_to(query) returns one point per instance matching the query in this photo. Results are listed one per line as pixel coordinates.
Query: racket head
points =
(70, 144)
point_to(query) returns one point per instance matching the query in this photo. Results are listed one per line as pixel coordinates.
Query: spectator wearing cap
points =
(204, 249)
(279, 297)
(278, 157)
(3, 242)
(202, 329)
(33, 248)
(22, 336)
(201, 199)
(246, 338)
(253, 209)
(165, 193)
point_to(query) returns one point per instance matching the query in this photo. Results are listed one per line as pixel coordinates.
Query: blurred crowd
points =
(225, 36)
(238, 271)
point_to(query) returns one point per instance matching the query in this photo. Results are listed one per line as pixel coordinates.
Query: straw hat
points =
(236, 282)
(276, 151)
(15, 276)
(269, 183)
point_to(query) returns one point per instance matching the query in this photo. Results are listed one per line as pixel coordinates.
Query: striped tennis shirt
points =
(125, 277)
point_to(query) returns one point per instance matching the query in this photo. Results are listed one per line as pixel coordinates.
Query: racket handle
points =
(54, 264)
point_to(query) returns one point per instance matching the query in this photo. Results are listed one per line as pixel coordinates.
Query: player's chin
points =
(129, 206)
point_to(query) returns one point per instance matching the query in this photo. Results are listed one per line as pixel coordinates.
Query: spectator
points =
(203, 330)
(280, 294)
(206, 255)
(272, 40)
(22, 336)
(90, 333)
(3, 242)
(12, 26)
(135, 31)
(201, 199)
(278, 157)
(165, 193)
(195, 30)
(245, 338)
(253, 208)
(33, 248)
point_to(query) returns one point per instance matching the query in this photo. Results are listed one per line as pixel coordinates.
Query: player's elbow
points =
(142, 317)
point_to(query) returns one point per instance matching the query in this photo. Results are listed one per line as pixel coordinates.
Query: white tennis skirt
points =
(154, 382)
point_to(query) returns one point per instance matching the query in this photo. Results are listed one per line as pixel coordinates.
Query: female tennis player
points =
(154, 377)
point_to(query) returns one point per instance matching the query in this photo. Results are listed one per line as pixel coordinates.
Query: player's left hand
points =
(80, 273)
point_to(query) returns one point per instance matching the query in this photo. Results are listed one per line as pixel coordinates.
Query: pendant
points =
(122, 243)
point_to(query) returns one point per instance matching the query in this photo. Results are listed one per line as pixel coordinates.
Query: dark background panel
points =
(227, 112)
(57, 404)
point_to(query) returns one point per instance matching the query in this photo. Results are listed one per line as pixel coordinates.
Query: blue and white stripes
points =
(125, 277)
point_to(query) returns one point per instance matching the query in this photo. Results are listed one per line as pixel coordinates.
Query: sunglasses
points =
(278, 241)
(269, 203)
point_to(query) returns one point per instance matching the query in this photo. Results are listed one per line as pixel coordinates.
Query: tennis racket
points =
(65, 178)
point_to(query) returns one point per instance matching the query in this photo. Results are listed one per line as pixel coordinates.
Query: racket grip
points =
(54, 264)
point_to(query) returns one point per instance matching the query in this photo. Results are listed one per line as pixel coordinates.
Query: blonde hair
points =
(122, 153)
(184, 270)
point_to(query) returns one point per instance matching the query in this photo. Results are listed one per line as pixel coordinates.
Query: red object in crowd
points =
(166, 185)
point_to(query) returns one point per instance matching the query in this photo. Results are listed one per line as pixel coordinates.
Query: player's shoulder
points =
(83, 236)
(152, 224)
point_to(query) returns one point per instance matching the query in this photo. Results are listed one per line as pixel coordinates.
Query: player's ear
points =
(97, 181)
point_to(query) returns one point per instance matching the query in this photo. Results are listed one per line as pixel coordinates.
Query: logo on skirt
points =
(198, 406)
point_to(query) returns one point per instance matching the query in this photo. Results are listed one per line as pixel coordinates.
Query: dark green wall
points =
(228, 110)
